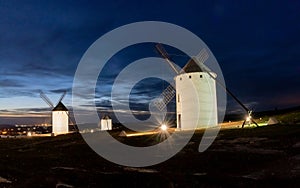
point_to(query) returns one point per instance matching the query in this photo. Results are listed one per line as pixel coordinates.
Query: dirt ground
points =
(252, 157)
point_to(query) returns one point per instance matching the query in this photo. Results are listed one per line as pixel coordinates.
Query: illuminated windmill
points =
(205, 89)
(60, 115)
(196, 100)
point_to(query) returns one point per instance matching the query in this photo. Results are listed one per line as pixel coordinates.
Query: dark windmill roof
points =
(60, 107)
(106, 117)
(191, 66)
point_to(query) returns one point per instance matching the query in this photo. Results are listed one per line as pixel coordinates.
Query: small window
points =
(180, 78)
(190, 76)
(200, 76)
(178, 98)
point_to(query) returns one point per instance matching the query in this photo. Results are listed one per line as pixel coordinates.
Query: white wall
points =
(60, 122)
(106, 124)
(196, 101)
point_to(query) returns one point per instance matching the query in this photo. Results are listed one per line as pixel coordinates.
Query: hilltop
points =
(264, 156)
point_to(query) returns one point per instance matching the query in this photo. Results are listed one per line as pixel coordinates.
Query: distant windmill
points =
(60, 115)
(206, 91)
(105, 123)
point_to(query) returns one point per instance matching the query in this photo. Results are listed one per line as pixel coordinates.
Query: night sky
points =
(41, 43)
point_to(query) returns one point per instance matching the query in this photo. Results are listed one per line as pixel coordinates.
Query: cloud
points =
(10, 83)
(10, 93)
(25, 112)
(257, 48)
(61, 91)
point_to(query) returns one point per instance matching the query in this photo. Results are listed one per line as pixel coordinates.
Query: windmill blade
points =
(165, 55)
(62, 97)
(168, 94)
(165, 97)
(201, 58)
(162, 51)
(46, 99)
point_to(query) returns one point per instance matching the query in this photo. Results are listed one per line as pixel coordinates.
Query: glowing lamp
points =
(163, 127)
(248, 118)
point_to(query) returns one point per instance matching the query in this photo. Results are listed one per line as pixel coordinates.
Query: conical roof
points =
(191, 66)
(106, 117)
(60, 107)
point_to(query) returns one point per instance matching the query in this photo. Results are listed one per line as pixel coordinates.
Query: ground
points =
(252, 157)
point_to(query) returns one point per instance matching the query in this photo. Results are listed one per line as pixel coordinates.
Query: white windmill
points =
(60, 115)
(105, 123)
(203, 82)
(196, 99)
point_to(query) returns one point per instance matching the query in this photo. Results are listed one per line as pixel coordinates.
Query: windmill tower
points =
(60, 115)
(196, 98)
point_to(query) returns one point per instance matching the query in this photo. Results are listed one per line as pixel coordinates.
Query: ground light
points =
(163, 127)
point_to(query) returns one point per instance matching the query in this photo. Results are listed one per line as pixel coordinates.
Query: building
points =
(196, 99)
(60, 119)
(105, 123)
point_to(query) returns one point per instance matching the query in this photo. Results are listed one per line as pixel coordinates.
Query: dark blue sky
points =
(41, 42)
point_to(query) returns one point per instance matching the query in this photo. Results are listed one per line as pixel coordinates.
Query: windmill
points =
(60, 115)
(195, 90)
(206, 91)
(105, 123)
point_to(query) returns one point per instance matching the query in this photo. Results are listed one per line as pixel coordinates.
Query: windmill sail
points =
(46, 99)
(166, 96)
(165, 55)
(202, 56)
(62, 97)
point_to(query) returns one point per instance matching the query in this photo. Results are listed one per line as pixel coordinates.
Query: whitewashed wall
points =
(60, 122)
(196, 100)
(106, 124)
